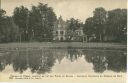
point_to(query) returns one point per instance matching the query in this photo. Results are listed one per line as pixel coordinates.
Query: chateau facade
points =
(60, 29)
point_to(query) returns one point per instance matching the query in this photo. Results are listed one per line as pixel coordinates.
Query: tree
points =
(41, 22)
(20, 16)
(100, 16)
(89, 28)
(107, 25)
(34, 23)
(72, 25)
(8, 30)
(117, 24)
(2, 17)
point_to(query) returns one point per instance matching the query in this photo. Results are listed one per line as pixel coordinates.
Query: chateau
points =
(60, 29)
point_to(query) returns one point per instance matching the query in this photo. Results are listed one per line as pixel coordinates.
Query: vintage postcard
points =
(63, 41)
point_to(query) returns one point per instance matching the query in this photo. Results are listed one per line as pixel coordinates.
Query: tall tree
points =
(2, 17)
(100, 16)
(117, 24)
(20, 17)
(8, 30)
(89, 28)
(41, 22)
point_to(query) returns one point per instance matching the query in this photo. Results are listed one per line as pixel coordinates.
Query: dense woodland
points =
(37, 23)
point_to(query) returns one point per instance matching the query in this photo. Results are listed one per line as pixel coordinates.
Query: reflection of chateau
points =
(60, 30)
(59, 54)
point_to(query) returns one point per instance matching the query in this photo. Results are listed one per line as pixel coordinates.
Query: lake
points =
(70, 60)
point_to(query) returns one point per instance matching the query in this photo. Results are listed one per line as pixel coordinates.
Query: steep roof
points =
(60, 24)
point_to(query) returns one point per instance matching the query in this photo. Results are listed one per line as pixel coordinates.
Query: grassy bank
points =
(63, 45)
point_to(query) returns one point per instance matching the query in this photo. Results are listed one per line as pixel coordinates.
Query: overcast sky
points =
(80, 9)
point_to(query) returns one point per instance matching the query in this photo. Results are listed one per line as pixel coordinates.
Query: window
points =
(56, 32)
(61, 38)
(61, 32)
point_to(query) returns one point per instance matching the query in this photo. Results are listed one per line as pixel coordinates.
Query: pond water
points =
(71, 60)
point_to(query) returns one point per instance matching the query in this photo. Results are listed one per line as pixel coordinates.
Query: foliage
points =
(41, 22)
(72, 26)
(89, 26)
(107, 25)
(8, 30)
(37, 25)
(117, 24)
(20, 17)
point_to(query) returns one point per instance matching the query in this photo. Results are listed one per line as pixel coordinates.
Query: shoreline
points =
(63, 45)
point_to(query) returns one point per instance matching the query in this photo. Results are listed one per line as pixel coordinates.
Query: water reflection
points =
(73, 54)
(107, 60)
(42, 60)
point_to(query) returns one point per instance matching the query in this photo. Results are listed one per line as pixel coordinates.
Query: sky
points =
(79, 9)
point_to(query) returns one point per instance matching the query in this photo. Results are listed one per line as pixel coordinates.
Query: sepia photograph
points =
(70, 41)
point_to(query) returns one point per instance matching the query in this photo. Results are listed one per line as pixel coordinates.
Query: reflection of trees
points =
(2, 63)
(59, 54)
(98, 60)
(117, 61)
(99, 63)
(34, 60)
(102, 60)
(5, 59)
(73, 54)
(20, 61)
(16, 58)
(38, 60)
(41, 61)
